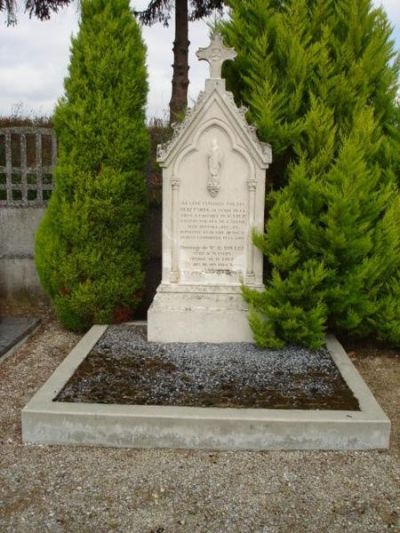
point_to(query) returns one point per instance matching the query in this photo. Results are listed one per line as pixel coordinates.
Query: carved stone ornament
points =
(215, 158)
(215, 54)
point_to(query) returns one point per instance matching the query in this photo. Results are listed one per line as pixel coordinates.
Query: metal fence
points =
(27, 159)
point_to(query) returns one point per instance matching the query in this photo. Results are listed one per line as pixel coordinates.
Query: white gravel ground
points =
(70, 489)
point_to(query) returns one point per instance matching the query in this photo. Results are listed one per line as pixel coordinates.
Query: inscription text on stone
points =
(212, 234)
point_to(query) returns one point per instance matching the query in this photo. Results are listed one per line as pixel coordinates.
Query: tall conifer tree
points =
(320, 79)
(89, 249)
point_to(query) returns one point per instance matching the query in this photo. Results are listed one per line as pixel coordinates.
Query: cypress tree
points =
(89, 247)
(320, 79)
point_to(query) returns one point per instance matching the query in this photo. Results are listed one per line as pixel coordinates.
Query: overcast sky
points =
(34, 58)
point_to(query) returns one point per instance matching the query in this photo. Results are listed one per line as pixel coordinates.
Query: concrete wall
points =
(18, 277)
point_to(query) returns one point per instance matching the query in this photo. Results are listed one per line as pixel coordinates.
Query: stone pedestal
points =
(198, 314)
(213, 198)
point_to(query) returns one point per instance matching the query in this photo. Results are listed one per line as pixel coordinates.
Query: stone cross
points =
(215, 54)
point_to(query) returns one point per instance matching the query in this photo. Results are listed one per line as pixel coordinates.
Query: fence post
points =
(24, 185)
(39, 166)
(8, 166)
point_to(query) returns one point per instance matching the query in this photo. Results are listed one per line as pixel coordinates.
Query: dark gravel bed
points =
(123, 368)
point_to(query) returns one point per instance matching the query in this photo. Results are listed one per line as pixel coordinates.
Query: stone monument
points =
(214, 171)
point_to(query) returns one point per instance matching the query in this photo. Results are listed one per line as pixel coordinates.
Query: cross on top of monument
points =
(216, 53)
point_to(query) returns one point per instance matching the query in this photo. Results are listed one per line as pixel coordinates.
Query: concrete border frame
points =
(45, 421)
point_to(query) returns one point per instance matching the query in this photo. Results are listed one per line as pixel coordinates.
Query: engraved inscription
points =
(212, 235)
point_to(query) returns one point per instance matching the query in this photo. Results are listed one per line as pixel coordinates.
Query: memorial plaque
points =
(213, 198)
(212, 236)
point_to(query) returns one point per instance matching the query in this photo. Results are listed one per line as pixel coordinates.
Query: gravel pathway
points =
(69, 489)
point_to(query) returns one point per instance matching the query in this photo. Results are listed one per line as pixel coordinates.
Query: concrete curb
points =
(47, 422)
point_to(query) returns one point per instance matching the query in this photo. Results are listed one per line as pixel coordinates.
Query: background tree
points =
(41, 9)
(160, 11)
(89, 247)
(320, 79)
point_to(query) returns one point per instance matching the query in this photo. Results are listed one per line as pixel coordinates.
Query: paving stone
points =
(13, 330)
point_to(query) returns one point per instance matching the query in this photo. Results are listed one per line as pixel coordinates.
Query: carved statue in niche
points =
(215, 159)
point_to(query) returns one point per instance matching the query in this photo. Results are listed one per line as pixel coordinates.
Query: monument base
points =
(190, 313)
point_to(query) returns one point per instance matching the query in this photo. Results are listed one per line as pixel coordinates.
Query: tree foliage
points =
(89, 247)
(41, 9)
(160, 10)
(320, 79)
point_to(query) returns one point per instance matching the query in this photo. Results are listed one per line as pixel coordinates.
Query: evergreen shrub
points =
(320, 79)
(89, 247)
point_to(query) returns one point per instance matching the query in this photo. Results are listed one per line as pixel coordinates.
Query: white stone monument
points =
(213, 197)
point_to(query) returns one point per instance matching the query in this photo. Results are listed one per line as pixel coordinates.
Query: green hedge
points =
(89, 248)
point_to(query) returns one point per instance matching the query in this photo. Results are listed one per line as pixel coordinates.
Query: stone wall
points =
(27, 158)
(18, 277)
